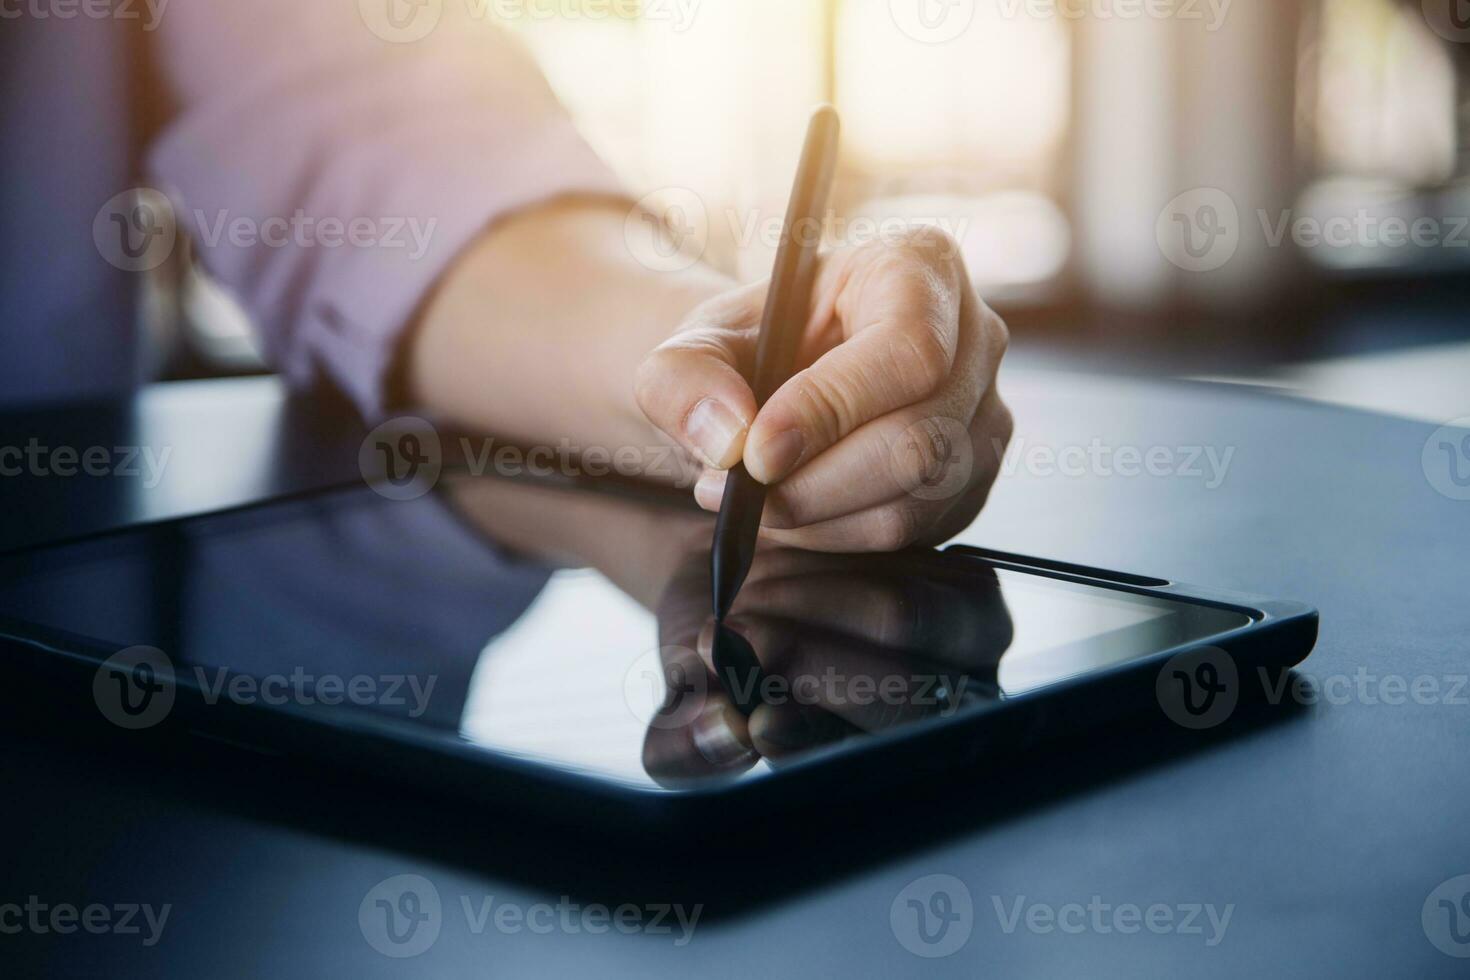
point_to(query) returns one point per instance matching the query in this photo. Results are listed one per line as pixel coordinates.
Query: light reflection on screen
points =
(564, 667)
(554, 690)
(1048, 622)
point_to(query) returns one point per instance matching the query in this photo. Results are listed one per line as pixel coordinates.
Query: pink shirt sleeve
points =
(329, 176)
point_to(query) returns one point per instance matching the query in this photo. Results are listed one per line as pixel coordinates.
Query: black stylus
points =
(788, 307)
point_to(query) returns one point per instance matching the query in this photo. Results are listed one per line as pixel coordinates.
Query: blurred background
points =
(1271, 191)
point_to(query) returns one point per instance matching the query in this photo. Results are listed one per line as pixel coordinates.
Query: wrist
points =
(536, 333)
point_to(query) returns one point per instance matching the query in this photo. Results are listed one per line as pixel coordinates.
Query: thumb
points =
(692, 387)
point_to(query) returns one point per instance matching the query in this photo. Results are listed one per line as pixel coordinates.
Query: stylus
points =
(788, 307)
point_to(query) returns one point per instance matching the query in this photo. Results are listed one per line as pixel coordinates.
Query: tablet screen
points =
(572, 629)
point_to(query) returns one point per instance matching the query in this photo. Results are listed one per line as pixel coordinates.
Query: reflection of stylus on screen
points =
(738, 669)
(788, 307)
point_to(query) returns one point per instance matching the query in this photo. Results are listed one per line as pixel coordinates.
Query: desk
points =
(1324, 834)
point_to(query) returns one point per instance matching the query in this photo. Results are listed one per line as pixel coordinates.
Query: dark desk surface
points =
(1325, 833)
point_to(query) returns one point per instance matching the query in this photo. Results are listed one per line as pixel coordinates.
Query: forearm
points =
(537, 331)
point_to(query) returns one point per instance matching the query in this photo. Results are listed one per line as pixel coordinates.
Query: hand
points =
(838, 645)
(891, 431)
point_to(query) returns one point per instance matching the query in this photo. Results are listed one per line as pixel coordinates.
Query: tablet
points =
(553, 647)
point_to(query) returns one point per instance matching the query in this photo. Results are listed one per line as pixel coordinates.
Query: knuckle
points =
(921, 361)
(927, 244)
(828, 404)
(919, 282)
(998, 429)
(1005, 421)
(999, 332)
(930, 242)
(924, 450)
(932, 457)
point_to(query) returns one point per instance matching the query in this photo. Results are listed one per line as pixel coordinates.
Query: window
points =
(968, 134)
(1377, 96)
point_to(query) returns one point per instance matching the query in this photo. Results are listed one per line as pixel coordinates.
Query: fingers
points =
(893, 456)
(900, 311)
(901, 478)
(916, 602)
(868, 687)
(696, 737)
(961, 467)
(786, 731)
(962, 623)
(828, 646)
(883, 461)
(862, 446)
(717, 743)
(693, 387)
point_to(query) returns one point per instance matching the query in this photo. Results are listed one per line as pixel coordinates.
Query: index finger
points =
(899, 310)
